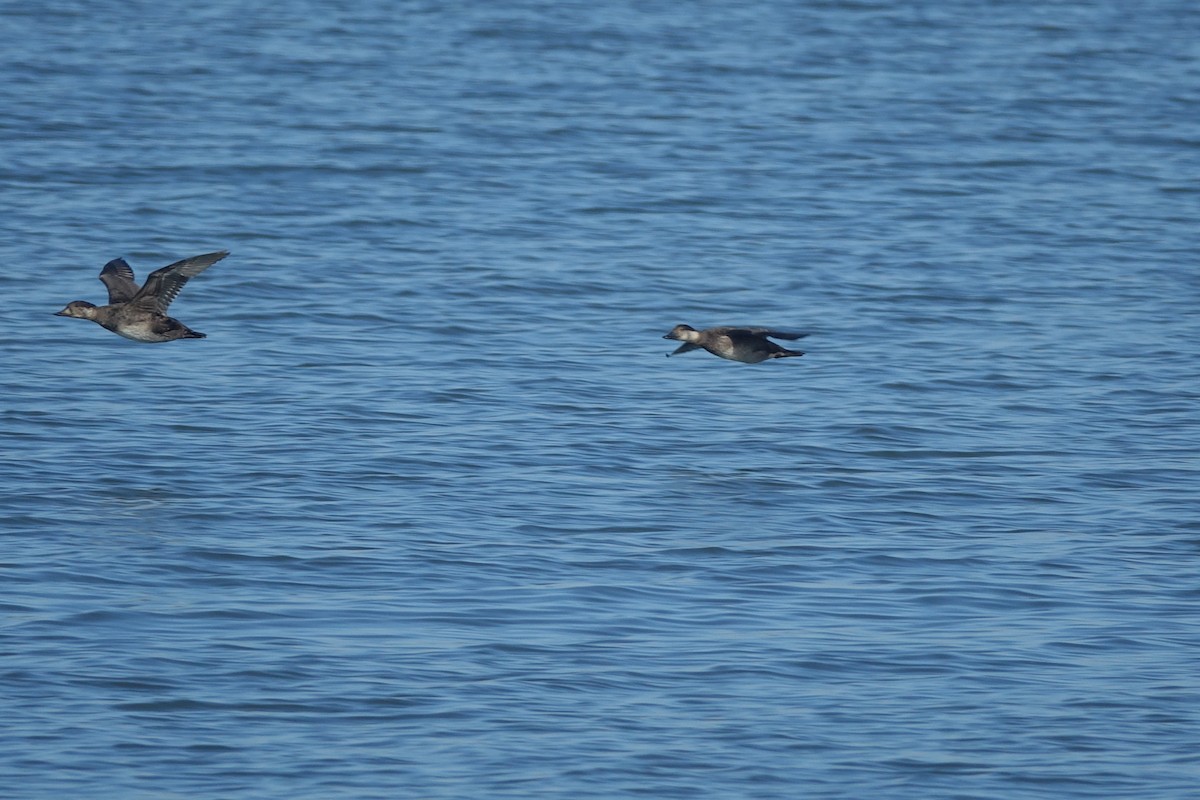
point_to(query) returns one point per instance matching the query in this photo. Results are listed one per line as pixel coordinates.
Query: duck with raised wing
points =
(141, 313)
(748, 345)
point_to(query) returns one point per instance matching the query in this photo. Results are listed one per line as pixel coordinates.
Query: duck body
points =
(745, 344)
(139, 313)
(140, 326)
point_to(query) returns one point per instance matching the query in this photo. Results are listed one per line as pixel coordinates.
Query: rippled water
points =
(430, 515)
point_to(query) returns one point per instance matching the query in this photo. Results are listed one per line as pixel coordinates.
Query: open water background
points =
(429, 515)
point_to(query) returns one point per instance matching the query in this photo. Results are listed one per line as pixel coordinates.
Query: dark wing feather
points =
(686, 347)
(783, 334)
(118, 277)
(163, 285)
(774, 334)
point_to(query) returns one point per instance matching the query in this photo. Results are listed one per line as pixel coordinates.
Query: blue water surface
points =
(428, 514)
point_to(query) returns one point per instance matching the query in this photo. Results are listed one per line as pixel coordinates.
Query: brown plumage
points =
(748, 345)
(141, 313)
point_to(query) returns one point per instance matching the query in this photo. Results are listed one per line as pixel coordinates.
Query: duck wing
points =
(118, 277)
(771, 332)
(686, 347)
(163, 285)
